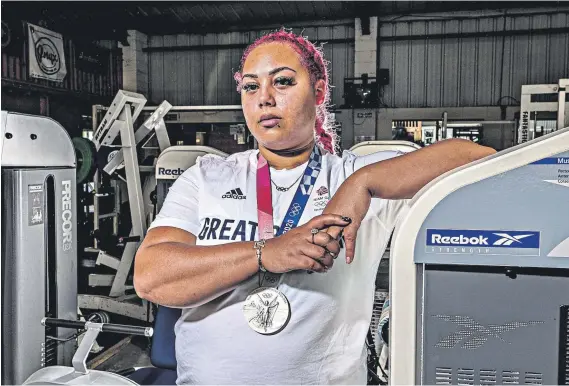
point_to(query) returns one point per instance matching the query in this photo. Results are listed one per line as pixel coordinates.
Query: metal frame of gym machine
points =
(119, 121)
(529, 109)
(402, 371)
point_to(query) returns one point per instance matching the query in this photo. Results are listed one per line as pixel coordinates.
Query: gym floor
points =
(135, 353)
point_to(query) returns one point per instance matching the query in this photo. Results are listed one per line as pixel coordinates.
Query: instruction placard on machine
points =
(35, 204)
(557, 169)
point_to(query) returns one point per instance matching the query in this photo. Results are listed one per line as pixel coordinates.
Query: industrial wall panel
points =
(92, 83)
(196, 76)
(205, 76)
(170, 63)
(156, 70)
(183, 79)
(210, 64)
(479, 70)
(559, 49)
(434, 77)
(417, 75)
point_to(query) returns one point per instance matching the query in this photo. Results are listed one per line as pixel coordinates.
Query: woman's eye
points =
(250, 87)
(284, 81)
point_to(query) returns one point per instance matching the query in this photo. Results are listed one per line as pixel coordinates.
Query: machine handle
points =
(105, 327)
(128, 239)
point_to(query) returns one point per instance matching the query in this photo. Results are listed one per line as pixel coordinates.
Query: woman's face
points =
(277, 97)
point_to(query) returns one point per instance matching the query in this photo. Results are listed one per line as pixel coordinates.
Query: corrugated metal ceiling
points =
(105, 20)
(222, 16)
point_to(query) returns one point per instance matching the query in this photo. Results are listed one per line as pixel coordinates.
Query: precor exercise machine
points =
(545, 104)
(169, 166)
(480, 272)
(116, 130)
(39, 239)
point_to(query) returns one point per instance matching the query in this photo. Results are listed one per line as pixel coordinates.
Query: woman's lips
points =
(268, 123)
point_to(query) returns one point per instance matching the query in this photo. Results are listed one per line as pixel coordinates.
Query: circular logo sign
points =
(47, 56)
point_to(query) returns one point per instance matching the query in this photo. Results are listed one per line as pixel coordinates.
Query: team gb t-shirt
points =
(324, 340)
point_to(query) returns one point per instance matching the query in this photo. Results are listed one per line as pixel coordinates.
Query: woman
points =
(252, 311)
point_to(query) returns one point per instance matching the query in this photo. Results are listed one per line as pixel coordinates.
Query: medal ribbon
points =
(298, 203)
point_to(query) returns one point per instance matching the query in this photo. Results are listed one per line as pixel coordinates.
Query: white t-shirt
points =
(324, 340)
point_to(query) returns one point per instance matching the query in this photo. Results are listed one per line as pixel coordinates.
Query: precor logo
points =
(66, 215)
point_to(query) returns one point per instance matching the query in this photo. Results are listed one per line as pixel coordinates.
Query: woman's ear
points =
(320, 91)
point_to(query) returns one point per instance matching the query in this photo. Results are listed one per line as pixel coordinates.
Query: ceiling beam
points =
(205, 47)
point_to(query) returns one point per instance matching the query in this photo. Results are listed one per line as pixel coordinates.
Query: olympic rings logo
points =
(295, 210)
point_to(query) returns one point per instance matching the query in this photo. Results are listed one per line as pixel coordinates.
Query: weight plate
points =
(85, 153)
(105, 154)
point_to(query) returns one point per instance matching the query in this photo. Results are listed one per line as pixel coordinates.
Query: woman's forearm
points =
(176, 274)
(402, 177)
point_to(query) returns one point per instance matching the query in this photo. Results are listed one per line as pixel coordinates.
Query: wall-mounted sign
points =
(46, 55)
(91, 58)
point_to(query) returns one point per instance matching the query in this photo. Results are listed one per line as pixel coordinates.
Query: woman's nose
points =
(266, 97)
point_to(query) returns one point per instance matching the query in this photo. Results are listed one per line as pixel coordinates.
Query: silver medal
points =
(266, 310)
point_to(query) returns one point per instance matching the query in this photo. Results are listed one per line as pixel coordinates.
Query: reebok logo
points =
(482, 238)
(170, 172)
(458, 240)
(472, 334)
(235, 194)
(509, 240)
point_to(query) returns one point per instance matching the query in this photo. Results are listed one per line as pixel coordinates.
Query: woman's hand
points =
(352, 199)
(295, 249)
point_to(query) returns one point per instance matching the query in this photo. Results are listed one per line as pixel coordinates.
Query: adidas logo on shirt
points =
(235, 194)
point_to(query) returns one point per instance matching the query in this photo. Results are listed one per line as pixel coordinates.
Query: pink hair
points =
(312, 58)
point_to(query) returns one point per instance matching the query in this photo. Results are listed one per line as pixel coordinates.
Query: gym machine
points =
(378, 351)
(370, 147)
(479, 281)
(173, 162)
(78, 373)
(116, 132)
(39, 239)
(115, 171)
(439, 130)
(222, 127)
(543, 108)
(458, 310)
